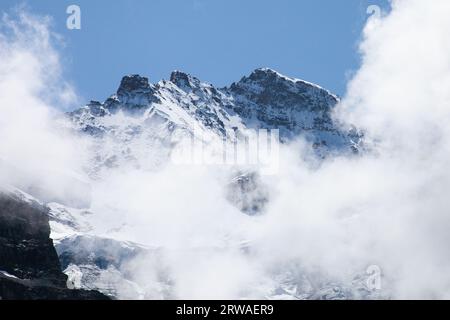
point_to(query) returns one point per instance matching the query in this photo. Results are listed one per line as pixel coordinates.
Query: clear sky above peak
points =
(218, 41)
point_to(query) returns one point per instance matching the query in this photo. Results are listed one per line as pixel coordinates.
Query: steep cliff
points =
(29, 265)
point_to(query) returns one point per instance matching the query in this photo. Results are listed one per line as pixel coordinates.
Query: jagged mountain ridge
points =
(157, 115)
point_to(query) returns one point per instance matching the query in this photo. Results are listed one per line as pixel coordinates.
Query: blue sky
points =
(219, 41)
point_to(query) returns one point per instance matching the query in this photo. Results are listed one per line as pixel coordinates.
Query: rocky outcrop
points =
(29, 265)
(248, 194)
(293, 106)
(102, 264)
(17, 289)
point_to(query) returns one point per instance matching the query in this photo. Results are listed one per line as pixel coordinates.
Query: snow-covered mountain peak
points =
(265, 86)
(184, 81)
(134, 93)
(133, 83)
(148, 114)
(265, 72)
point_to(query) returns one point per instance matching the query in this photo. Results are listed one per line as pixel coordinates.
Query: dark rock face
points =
(29, 265)
(133, 83)
(27, 251)
(131, 87)
(16, 289)
(85, 250)
(184, 81)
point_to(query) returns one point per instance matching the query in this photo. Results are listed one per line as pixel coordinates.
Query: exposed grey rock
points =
(29, 265)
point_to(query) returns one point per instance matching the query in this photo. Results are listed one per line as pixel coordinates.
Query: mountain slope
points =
(29, 265)
(144, 116)
(140, 125)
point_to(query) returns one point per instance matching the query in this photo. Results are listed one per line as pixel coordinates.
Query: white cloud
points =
(34, 152)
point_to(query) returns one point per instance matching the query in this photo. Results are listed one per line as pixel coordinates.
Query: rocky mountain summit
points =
(158, 115)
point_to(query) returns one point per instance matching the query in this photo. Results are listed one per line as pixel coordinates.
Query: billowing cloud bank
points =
(401, 97)
(34, 152)
(324, 223)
